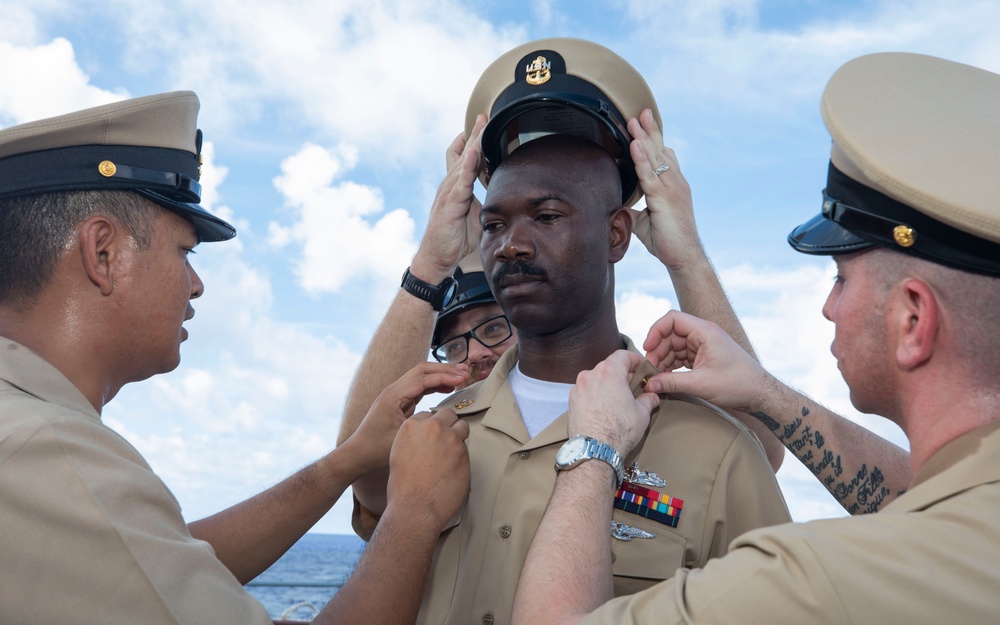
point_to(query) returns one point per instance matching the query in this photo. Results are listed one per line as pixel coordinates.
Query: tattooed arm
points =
(862, 470)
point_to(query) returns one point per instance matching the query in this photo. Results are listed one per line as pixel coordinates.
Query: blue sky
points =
(327, 123)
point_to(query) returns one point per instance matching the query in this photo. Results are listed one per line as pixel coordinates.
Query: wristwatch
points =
(439, 296)
(580, 448)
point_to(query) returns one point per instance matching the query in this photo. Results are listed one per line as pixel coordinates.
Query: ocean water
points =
(311, 572)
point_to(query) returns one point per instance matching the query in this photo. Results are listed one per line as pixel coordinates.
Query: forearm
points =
(400, 342)
(568, 569)
(250, 536)
(862, 470)
(388, 583)
(700, 293)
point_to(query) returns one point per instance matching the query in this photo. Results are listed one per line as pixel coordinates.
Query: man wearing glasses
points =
(472, 332)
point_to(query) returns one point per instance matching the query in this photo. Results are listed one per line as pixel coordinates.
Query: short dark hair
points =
(35, 229)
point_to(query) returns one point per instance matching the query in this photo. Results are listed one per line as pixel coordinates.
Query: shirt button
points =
(523, 455)
(505, 531)
(487, 619)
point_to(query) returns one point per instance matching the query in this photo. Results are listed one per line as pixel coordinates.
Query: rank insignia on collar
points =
(649, 503)
(627, 532)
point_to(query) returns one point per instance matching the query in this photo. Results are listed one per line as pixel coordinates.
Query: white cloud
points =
(636, 312)
(338, 243)
(716, 52)
(44, 81)
(389, 76)
(19, 21)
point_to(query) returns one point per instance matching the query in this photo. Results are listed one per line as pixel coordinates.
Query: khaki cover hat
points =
(149, 145)
(915, 163)
(560, 86)
(472, 290)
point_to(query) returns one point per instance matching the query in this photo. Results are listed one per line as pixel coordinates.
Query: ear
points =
(917, 323)
(100, 241)
(620, 233)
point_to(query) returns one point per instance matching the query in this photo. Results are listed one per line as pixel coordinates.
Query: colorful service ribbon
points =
(649, 503)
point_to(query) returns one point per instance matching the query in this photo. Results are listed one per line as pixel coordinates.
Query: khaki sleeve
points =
(745, 497)
(771, 581)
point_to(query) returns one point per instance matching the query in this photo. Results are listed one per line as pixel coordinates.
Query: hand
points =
(374, 437)
(601, 404)
(722, 372)
(429, 467)
(453, 229)
(666, 226)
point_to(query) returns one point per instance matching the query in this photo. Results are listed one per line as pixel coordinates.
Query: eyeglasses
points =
(489, 333)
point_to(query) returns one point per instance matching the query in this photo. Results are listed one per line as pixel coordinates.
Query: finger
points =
(423, 416)
(674, 382)
(623, 363)
(649, 125)
(422, 380)
(648, 401)
(661, 328)
(446, 416)
(461, 428)
(454, 151)
(651, 184)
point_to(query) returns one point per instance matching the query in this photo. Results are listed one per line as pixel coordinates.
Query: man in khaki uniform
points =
(910, 213)
(98, 214)
(554, 224)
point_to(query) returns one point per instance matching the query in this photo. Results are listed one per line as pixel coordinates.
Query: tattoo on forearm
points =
(767, 420)
(861, 494)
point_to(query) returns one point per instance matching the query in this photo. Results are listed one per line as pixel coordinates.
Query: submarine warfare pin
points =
(627, 532)
(644, 478)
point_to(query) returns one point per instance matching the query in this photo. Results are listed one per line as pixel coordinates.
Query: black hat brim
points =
(208, 227)
(821, 236)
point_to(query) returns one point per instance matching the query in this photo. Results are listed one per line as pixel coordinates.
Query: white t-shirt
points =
(540, 402)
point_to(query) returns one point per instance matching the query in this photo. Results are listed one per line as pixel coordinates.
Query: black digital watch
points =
(439, 296)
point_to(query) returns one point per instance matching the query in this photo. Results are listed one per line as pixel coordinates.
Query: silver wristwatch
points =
(580, 448)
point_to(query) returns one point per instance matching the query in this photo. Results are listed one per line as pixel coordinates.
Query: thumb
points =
(673, 382)
(648, 401)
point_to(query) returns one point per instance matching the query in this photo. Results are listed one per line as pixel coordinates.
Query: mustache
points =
(519, 266)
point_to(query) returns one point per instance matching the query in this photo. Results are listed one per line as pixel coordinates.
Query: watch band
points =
(437, 295)
(594, 449)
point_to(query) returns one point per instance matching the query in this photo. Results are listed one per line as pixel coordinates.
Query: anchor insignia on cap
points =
(539, 71)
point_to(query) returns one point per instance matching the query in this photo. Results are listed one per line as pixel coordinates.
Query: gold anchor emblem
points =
(465, 403)
(538, 71)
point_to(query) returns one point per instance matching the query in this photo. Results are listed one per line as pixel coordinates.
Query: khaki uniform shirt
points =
(931, 556)
(715, 465)
(88, 533)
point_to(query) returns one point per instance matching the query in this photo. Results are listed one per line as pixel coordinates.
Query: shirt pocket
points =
(643, 562)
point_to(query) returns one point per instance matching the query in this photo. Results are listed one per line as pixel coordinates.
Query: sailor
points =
(99, 211)
(911, 218)
(555, 220)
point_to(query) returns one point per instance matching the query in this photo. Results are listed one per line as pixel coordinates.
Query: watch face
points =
(571, 451)
(449, 293)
